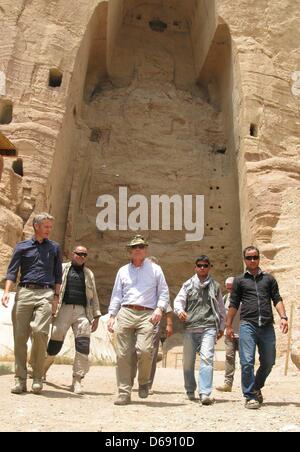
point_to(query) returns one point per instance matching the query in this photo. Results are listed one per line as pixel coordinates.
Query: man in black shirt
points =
(39, 262)
(79, 309)
(255, 290)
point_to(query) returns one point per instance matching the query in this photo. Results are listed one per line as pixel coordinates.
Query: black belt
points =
(36, 286)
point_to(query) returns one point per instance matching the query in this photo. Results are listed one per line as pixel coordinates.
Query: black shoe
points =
(143, 391)
(259, 396)
(191, 396)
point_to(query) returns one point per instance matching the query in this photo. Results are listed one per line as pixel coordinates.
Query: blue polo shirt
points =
(39, 263)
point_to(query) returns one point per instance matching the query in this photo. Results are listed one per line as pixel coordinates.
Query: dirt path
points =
(57, 409)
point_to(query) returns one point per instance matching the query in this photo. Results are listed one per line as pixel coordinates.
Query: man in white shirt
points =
(139, 299)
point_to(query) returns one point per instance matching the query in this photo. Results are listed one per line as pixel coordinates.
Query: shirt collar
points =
(133, 266)
(34, 240)
(249, 273)
(204, 283)
(77, 267)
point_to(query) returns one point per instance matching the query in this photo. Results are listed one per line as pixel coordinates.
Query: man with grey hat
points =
(140, 297)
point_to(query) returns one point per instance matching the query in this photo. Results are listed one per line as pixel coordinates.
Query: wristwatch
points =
(284, 317)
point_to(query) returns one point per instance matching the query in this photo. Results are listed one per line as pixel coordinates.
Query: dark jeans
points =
(264, 339)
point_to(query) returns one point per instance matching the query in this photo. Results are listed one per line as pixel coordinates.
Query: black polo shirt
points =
(255, 295)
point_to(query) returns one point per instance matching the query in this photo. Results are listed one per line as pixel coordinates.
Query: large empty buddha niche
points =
(158, 122)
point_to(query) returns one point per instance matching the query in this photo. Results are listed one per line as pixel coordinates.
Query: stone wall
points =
(169, 97)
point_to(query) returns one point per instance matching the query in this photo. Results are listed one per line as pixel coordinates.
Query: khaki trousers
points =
(156, 340)
(134, 338)
(75, 317)
(31, 315)
(232, 347)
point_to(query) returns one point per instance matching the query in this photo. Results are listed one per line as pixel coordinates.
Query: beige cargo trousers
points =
(72, 316)
(31, 316)
(134, 339)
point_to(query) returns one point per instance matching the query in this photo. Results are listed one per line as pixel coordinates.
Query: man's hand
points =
(110, 324)
(284, 326)
(220, 334)
(229, 333)
(156, 316)
(95, 324)
(5, 300)
(169, 330)
(182, 316)
(54, 306)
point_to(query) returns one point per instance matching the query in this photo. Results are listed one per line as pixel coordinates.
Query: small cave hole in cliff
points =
(158, 25)
(17, 166)
(55, 78)
(6, 112)
(221, 150)
(253, 130)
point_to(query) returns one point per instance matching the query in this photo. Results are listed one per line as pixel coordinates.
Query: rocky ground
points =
(57, 409)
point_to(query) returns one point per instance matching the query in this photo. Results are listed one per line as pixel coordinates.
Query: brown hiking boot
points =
(225, 388)
(123, 399)
(19, 387)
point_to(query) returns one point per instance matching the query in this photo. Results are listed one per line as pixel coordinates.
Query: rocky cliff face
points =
(176, 98)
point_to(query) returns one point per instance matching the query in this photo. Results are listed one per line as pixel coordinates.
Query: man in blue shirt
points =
(39, 263)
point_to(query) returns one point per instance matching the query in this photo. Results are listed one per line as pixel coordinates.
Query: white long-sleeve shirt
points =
(143, 286)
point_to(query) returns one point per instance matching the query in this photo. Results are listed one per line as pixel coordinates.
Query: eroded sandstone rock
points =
(194, 97)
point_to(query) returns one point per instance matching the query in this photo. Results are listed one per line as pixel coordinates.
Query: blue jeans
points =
(204, 344)
(264, 339)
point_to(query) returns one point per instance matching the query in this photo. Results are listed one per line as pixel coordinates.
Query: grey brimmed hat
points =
(137, 240)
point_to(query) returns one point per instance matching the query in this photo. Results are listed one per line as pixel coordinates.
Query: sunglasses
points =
(251, 258)
(202, 265)
(138, 247)
(80, 254)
